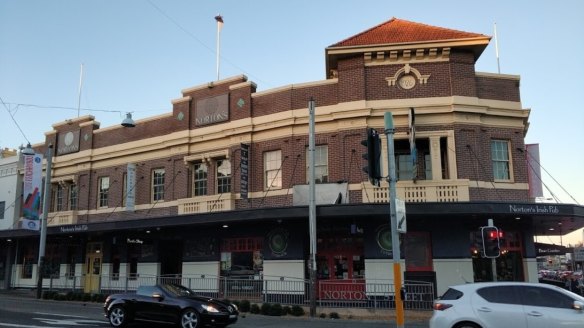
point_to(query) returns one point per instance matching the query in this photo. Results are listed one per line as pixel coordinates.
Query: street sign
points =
(400, 212)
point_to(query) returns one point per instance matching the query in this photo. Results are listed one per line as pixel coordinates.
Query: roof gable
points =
(399, 31)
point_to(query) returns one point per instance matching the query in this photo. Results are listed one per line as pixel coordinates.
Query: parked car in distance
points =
(507, 304)
(171, 304)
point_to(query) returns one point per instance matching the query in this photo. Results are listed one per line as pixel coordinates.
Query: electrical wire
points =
(13, 120)
(556, 181)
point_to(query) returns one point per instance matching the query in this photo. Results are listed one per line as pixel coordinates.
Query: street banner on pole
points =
(32, 191)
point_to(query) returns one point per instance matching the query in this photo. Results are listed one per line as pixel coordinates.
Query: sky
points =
(137, 56)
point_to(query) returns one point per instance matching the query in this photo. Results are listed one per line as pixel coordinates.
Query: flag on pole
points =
(219, 20)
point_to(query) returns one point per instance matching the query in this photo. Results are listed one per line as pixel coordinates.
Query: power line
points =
(556, 181)
(13, 120)
(84, 109)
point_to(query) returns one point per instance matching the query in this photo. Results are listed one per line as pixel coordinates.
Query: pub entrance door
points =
(93, 260)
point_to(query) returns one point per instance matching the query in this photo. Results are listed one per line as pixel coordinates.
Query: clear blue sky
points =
(139, 54)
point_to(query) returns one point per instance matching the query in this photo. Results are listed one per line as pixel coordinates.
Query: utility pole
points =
(312, 208)
(397, 278)
(44, 222)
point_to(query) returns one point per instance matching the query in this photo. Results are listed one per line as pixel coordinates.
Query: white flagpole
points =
(219, 20)
(79, 93)
(497, 50)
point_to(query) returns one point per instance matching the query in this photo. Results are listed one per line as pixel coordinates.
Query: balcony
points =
(419, 192)
(206, 204)
(62, 218)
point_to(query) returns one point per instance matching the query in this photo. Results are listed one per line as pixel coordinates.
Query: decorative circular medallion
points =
(383, 237)
(407, 82)
(69, 138)
(278, 241)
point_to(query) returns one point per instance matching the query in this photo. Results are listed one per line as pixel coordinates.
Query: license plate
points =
(232, 316)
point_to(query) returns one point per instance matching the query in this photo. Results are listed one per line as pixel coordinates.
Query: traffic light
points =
(491, 247)
(373, 156)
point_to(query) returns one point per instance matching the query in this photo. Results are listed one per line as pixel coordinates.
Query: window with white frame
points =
(59, 192)
(500, 158)
(200, 179)
(272, 169)
(73, 197)
(320, 164)
(223, 176)
(103, 192)
(2, 209)
(157, 185)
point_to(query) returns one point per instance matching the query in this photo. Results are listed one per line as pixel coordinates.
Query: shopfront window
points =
(241, 257)
(28, 260)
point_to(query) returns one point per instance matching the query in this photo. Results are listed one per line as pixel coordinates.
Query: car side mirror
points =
(158, 296)
(578, 306)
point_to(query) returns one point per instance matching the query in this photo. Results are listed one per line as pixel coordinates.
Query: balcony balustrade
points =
(206, 204)
(420, 191)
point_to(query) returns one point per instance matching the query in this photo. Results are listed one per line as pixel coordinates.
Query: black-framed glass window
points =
(223, 176)
(104, 185)
(200, 179)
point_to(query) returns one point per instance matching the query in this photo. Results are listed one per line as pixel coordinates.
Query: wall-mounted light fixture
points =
(128, 122)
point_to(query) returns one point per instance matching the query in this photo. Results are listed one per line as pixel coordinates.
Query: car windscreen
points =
(178, 290)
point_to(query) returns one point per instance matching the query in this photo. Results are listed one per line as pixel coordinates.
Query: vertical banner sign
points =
(243, 169)
(534, 171)
(131, 187)
(33, 170)
(413, 150)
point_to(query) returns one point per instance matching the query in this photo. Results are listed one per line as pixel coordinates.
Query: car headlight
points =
(210, 308)
(235, 307)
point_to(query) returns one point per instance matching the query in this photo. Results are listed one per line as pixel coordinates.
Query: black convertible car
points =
(168, 303)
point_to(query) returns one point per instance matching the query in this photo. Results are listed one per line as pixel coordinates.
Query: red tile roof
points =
(396, 31)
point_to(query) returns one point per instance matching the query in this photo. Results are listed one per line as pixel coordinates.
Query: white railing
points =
(420, 191)
(206, 204)
(284, 291)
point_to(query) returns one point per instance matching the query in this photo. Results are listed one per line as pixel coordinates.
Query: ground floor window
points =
(28, 260)
(340, 258)
(241, 257)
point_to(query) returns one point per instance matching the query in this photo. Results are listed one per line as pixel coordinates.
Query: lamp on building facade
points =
(128, 122)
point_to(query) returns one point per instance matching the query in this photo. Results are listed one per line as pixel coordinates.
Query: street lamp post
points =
(44, 221)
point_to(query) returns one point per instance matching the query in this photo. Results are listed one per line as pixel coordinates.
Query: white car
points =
(508, 305)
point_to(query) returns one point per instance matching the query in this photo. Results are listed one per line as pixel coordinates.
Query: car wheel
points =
(467, 325)
(189, 319)
(118, 316)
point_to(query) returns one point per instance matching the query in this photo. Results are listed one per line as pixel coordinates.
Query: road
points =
(32, 313)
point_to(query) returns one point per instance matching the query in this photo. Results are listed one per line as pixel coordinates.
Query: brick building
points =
(169, 196)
